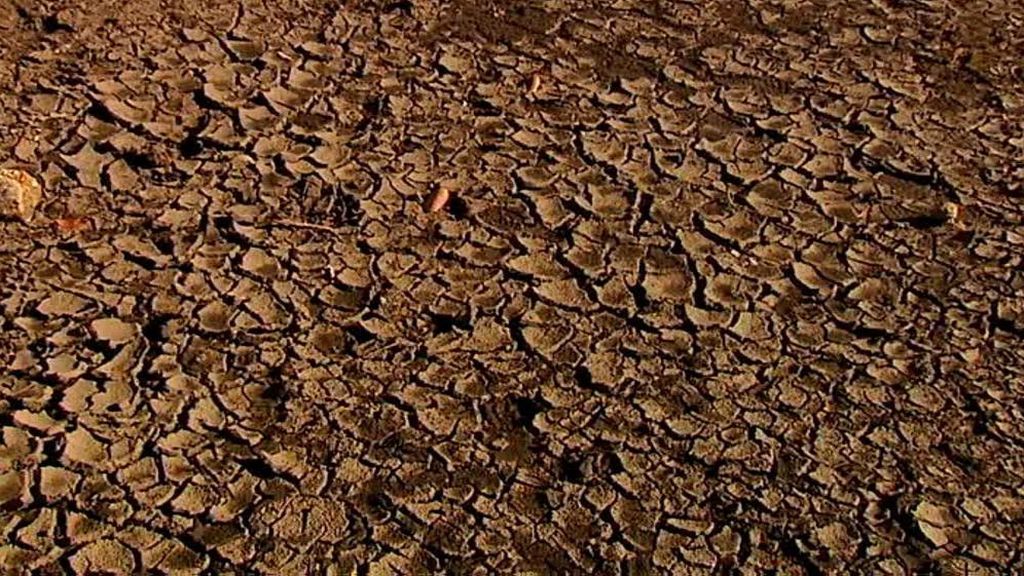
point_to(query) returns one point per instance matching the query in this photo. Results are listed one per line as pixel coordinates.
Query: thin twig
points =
(309, 225)
(387, 347)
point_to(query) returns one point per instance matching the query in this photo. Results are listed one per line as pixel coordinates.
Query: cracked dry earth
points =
(722, 287)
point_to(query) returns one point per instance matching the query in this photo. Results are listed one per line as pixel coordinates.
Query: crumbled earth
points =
(719, 287)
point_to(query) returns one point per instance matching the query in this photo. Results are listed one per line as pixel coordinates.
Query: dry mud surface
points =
(721, 287)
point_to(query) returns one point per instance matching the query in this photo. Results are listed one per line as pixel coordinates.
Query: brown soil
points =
(720, 287)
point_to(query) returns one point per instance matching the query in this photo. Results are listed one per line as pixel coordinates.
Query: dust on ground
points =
(552, 287)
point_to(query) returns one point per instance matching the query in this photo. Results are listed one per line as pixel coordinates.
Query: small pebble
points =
(439, 200)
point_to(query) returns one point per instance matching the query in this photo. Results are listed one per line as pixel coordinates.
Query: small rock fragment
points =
(956, 215)
(20, 193)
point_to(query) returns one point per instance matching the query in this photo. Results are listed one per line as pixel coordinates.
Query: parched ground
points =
(722, 287)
